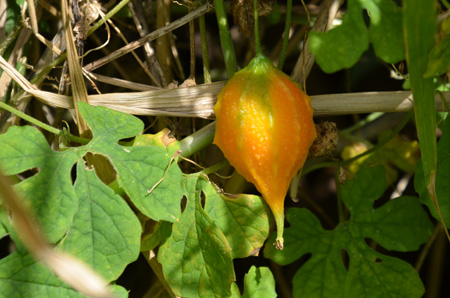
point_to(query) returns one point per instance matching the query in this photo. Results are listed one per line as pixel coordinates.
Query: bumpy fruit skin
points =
(264, 127)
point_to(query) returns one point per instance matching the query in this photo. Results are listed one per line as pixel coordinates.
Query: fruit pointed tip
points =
(279, 243)
(279, 221)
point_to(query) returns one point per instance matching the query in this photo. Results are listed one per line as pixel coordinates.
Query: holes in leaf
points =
(345, 258)
(102, 166)
(183, 203)
(378, 260)
(26, 174)
(7, 246)
(202, 199)
(73, 173)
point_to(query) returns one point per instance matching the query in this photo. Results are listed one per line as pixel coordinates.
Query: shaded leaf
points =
(397, 154)
(439, 58)
(342, 46)
(385, 30)
(400, 224)
(161, 231)
(442, 177)
(420, 27)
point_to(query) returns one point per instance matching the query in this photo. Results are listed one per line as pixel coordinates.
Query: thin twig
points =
(152, 36)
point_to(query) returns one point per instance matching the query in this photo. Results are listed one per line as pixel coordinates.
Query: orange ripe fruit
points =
(264, 127)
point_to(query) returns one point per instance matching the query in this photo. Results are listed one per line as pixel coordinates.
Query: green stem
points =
(382, 142)
(205, 55)
(225, 38)
(257, 42)
(12, 35)
(368, 119)
(42, 124)
(215, 167)
(109, 15)
(198, 140)
(287, 27)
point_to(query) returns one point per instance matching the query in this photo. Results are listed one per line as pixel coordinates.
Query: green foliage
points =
(197, 257)
(342, 46)
(259, 282)
(199, 233)
(400, 224)
(419, 40)
(439, 58)
(442, 177)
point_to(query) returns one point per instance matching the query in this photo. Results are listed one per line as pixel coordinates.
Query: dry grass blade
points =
(79, 90)
(327, 13)
(152, 36)
(198, 101)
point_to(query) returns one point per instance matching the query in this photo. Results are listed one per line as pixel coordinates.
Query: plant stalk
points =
(225, 39)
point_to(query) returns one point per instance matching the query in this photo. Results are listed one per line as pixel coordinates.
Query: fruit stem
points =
(279, 221)
(257, 42)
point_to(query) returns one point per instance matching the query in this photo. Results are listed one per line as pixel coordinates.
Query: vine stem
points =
(287, 27)
(205, 55)
(257, 41)
(42, 125)
(225, 38)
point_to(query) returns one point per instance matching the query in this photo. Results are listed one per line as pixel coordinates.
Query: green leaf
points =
(196, 258)
(439, 58)
(34, 280)
(259, 282)
(99, 227)
(105, 232)
(139, 167)
(442, 177)
(341, 47)
(160, 232)
(401, 224)
(385, 30)
(235, 291)
(244, 219)
(420, 27)
(49, 192)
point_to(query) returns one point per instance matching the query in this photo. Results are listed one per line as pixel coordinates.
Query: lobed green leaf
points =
(105, 232)
(49, 192)
(139, 168)
(196, 258)
(342, 46)
(259, 282)
(243, 219)
(341, 264)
